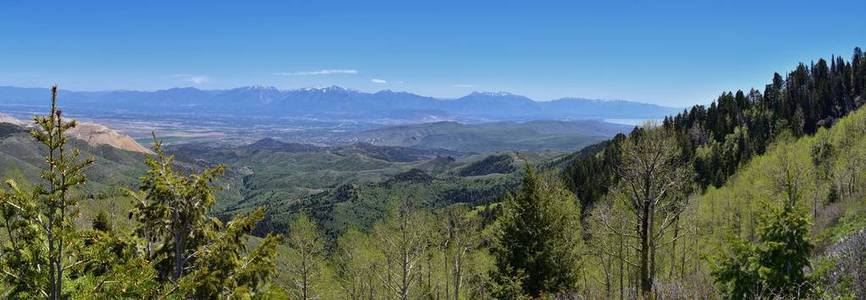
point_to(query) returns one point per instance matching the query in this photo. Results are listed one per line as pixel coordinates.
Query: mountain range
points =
(332, 103)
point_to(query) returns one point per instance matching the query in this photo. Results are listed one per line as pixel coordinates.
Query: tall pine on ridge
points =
(538, 239)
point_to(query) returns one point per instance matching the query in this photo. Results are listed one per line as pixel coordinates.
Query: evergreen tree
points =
(776, 267)
(172, 209)
(538, 239)
(64, 171)
(226, 269)
(101, 222)
(48, 207)
(24, 254)
(196, 254)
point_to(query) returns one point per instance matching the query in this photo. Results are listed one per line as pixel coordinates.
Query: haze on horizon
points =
(675, 53)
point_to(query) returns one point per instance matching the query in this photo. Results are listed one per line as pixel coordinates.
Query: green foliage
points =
(790, 171)
(224, 269)
(403, 238)
(48, 207)
(102, 223)
(197, 253)
(110, 266)
(306, 258)
(339, 187)
(744, 124)
(172, 211)
(737, 126)
(356, 261)
(776, 267)
(538, 239)
(24, 254)
(591, 174)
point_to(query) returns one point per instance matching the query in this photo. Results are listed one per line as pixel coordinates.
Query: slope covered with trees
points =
(721, 137)
(762, 201)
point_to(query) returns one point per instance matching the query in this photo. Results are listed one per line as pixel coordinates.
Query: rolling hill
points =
(352, 184)
(92, 133)
(495, 136)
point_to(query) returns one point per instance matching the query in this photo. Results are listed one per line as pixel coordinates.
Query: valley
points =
(338, 116)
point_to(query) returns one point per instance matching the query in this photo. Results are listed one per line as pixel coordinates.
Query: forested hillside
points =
(757, 196)
(720, 137)
(351, 185)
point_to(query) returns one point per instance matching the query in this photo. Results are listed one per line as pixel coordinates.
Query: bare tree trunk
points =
(674, 246)
(404, 284)
(621, 264)
(644, 234)
(179, 245)
(52, 256)
(305, 272)
(458, 274)
(652, 251)
(447, 266)
(62, 206)
(54, 294)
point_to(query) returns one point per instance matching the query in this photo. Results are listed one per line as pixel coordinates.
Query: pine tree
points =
(195, 254)
(225, 269)
(24, 255)
(538, 239)
(101, 222)
(173, 209)
(775, 267)
(48, 207)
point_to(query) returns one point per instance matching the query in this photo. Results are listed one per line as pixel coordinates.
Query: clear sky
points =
(666, 52)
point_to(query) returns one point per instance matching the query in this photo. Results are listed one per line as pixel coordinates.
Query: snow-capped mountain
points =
(336, 103)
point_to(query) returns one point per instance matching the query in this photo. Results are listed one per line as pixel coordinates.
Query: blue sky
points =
(665, 52)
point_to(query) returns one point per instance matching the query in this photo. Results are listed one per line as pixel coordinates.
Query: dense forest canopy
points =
(721, 137)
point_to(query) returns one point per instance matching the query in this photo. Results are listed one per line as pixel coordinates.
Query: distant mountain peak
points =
(339, 103)
(596, 100)
(325, 89)
(260, 88)
(494, 94)
(181, 89)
